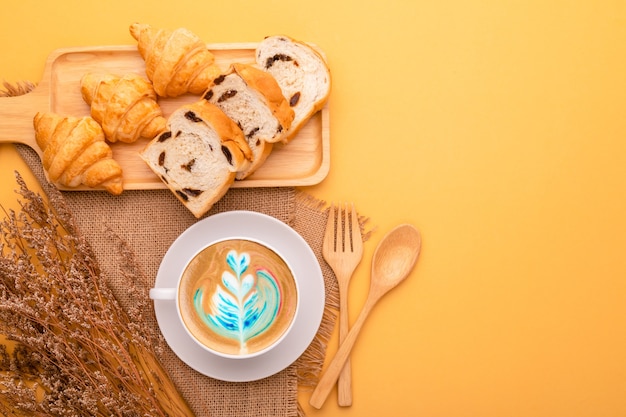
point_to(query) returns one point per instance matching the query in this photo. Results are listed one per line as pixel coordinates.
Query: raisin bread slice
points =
(253, 99)
(301, 72)
(198, 155)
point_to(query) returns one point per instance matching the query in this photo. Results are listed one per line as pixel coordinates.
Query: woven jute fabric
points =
(148, 222)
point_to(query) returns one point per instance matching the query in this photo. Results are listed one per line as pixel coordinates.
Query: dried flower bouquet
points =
(74, 350)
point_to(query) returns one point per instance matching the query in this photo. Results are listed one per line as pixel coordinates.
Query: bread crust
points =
(253, 99)
(277, 49)
(267, 86)
(230, 134)
(198, 155)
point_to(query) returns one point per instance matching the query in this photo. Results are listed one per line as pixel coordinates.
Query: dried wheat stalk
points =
(78, 352)
(17, 89)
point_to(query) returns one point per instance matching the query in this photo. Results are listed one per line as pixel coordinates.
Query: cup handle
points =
(163, 293)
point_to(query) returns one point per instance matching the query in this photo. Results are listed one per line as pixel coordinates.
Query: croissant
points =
(75, 152)
(126, 107)
(177, 62)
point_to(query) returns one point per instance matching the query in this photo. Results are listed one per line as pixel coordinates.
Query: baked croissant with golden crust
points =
(75, 152)
(177, 62)
(126, 107)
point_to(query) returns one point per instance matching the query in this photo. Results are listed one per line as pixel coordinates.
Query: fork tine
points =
(346, 229)
(355, 235)
(331, 227)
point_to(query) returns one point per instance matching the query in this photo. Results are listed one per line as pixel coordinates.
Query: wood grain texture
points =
(304, 161)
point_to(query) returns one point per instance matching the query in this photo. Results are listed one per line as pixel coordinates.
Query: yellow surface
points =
(497, 127)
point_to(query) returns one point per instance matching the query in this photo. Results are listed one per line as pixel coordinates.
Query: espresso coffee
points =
(237, 297)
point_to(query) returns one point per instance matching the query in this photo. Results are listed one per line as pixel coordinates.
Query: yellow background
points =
(497, 128)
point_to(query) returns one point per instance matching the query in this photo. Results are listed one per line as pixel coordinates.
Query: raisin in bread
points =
(198, 155)
(253, 99)
(301, 72)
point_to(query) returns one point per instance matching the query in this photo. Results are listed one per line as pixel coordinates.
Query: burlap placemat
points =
(148, 221)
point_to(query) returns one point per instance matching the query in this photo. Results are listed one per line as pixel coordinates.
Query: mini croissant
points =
(75, 152)
(177, 62)
(126, 107)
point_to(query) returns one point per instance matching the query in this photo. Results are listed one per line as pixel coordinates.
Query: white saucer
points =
(299, 256)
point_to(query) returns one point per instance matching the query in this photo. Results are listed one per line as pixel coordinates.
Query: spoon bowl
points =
(394, 259)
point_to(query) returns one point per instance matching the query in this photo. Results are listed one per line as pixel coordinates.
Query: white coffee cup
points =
(236, 298)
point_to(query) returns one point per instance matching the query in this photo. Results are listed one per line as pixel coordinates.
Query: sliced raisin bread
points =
(253, 99)
(301, 72)
(198, 155)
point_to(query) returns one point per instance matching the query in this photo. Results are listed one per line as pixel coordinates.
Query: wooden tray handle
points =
(16, 117)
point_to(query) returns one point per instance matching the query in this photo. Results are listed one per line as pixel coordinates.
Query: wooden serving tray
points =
(303, 161)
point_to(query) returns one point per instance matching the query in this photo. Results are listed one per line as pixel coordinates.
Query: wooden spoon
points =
(393, 260)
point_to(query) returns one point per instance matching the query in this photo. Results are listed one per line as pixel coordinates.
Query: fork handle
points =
(329, 377)
(344, 384)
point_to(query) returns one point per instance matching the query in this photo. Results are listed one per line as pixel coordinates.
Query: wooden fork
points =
(343, 249)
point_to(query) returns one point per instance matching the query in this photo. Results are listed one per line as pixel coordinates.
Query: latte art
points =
(237, 297)
(244, 305)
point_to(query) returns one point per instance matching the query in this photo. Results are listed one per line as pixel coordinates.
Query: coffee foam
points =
(237, 297)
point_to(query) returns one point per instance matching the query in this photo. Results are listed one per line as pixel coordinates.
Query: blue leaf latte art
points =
(245, 305)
